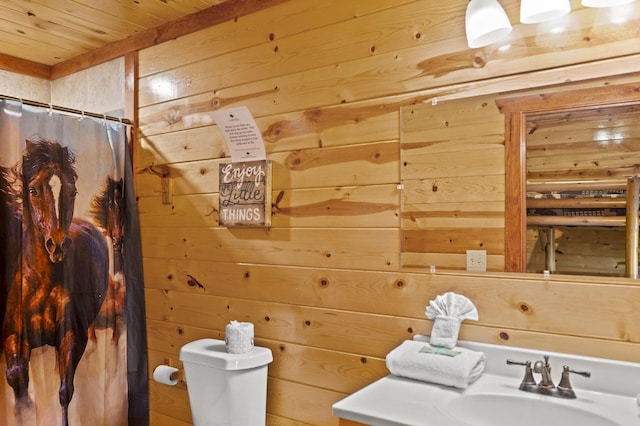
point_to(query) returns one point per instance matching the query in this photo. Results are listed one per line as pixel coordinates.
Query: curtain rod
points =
(65, 109)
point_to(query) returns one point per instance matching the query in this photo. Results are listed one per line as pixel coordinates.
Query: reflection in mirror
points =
(580, 169)
(572, 161)
(452, 171)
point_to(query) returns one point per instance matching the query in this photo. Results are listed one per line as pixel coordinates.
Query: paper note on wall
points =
(241, 133)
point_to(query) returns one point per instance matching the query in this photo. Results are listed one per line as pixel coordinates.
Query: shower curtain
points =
(71, 299)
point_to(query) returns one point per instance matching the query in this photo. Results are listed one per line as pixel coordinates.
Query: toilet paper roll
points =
(238, 337)
(162, 374)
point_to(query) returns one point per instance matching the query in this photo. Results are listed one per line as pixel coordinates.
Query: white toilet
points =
(225, 389)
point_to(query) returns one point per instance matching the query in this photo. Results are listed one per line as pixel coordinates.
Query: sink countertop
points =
(610, 392)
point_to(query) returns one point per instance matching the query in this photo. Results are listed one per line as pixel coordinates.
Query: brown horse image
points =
(10, 234)
(107, 211)
(5, 214)
(63, 275)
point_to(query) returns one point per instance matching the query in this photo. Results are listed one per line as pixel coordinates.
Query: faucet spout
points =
(544, 369)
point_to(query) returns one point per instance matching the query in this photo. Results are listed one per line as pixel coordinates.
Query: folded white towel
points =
(447, 312)
(457, 367)
(445, 331)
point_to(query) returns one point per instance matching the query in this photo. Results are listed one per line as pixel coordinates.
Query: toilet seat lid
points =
(213, 353)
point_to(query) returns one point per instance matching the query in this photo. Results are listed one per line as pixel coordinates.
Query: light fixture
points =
(486, 22)
(535, 11)
(605, 3)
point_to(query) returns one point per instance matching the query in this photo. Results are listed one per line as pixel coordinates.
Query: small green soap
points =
(439, 351)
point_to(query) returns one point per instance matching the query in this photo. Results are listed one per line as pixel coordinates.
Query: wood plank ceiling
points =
(51, 38)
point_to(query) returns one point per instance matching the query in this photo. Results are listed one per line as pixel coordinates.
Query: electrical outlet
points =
(477, 260)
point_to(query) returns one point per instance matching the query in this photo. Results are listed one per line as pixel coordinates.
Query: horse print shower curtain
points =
(71, 299)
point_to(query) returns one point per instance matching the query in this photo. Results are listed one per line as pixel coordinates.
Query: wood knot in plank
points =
(525, 308)
(298, 160)
(479, 61)
(173, 116)
(192, 282)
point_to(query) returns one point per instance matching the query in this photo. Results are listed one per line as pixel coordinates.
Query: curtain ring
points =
(50, 110)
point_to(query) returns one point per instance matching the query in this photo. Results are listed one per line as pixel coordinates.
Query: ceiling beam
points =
(23, 66)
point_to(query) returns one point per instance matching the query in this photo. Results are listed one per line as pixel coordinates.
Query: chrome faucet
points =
(544, 369)
(546, 386)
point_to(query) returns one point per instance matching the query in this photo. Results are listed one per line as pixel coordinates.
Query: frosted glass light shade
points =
(605, 3)
(486, 22)
(535, 11)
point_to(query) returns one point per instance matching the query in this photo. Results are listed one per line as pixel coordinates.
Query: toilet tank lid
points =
(213, 353)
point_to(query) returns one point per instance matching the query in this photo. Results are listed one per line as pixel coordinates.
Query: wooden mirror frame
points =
(516, 110)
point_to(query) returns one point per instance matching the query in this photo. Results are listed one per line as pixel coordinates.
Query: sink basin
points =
(608, 398)
(507, 410)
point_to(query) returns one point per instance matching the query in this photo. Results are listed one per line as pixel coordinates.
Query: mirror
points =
(572, 166)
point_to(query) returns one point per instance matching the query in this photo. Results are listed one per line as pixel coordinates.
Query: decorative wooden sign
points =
(245, 193)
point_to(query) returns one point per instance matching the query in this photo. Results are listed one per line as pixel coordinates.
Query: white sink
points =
(608, 398)
(494, 410)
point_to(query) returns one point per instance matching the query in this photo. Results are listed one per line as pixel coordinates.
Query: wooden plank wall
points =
(452, 157)
(561, 148)
(324, 286)
(452, 164)
(580, 250)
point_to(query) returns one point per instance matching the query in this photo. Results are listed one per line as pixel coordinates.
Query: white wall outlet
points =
(477, 260)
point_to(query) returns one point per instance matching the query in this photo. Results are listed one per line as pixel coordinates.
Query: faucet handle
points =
(512, 362)
(580, 373)
(564, 387)
(528, 382)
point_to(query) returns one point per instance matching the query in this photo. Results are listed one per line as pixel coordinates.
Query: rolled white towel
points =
(457, 367)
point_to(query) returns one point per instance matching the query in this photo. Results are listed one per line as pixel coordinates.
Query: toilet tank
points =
(225, 389)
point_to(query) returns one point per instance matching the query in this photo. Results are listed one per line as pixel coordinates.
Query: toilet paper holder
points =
(166, 374)
(178, 375)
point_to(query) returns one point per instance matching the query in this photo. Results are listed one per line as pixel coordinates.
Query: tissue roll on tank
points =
(224, 388)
